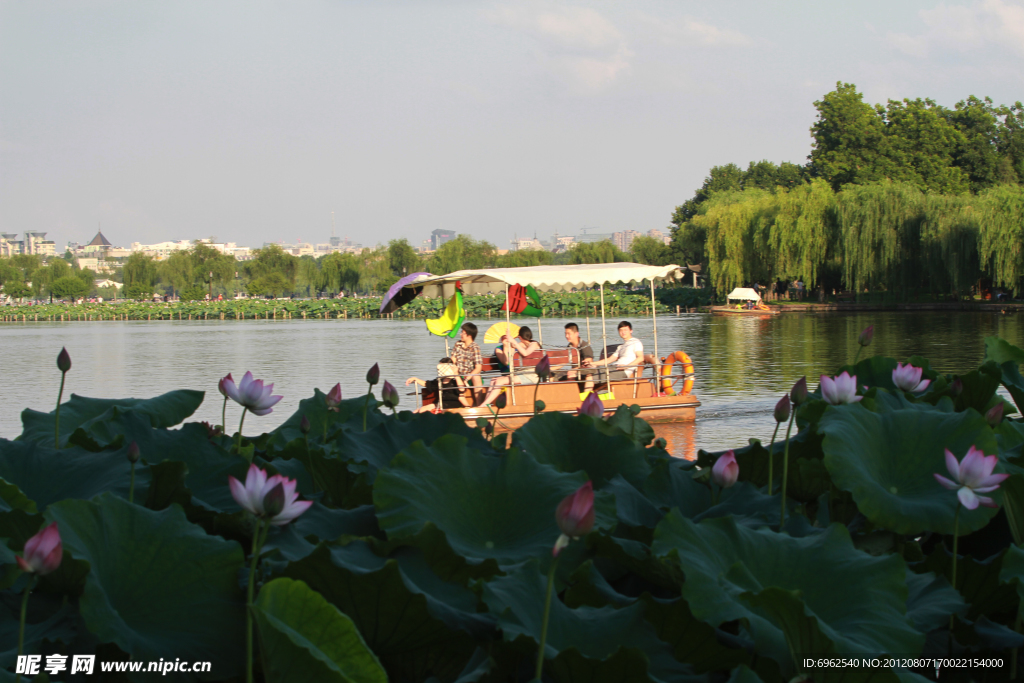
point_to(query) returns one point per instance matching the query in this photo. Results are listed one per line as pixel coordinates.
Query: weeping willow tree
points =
(879, 225)
(802, 236)
(1002, 234)
(738, 226)
(950, 229)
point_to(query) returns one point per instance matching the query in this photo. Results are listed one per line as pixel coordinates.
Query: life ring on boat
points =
(666, 370)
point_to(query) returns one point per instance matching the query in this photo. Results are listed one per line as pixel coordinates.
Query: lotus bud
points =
(726, 470)
(543, 368)
(539, 406)
(133, 452)
(43, 552)
(798, 394)
(865, 336)
(334, 398)
(273, 502)
(592, 406)
(373, 375)
(389, 395)
(501, 401)
(223, 384)
(63, 360)
(783, 409)
(575, 514)
(660, 443)
(994, 415)
(304, 425)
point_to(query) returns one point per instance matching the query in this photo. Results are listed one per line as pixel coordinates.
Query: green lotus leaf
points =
(1001, 351)
(570, 444)
(1014, 383)
(500, 509)
(158, 586)
(978, 581)
(880, 401)
(48, 619)
(46, 475)
(165, 410)
(12, 498)
(412, 620)
(671, 485)
(586, 643)
(478, 666)
(743, 674)
(377, 446)
(875, 371)
(979, 387)
(753, 460)
(623, 421)
(632, 506)
(783, 588)
(887, 462)
(298, 539)
(305, 638)
(1012, 570)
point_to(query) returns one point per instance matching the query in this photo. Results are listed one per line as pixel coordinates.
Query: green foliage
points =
(426, 551)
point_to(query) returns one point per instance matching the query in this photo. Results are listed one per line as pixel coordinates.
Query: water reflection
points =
(743, 364)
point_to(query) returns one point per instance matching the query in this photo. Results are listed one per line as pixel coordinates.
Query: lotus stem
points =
(1013, 656)
(785, 470)
(309, 456)
(544, 622)
(21, 626)
(535, 388)
(240, 423)
(857, 357)
(366, 405)
(131, 486)
(771, 457)
(256, 546)
(56, 420)
(224, 416)
(956, 544)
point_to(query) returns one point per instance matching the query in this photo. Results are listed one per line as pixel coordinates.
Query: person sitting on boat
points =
(446, 392)
(523, 347)
(585, 353)
(468, 358)
(627, 357)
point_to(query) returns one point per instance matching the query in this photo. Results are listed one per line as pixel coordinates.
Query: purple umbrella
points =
(399, 295)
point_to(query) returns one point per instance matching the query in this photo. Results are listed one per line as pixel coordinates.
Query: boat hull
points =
(729, 310)
(563, 397)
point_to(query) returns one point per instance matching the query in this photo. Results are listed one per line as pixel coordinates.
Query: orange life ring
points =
(666, 369)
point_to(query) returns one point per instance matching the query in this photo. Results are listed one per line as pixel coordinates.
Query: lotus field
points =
(359, 542)
(617, 302)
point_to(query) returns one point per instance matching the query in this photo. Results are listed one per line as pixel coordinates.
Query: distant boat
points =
(736, 304)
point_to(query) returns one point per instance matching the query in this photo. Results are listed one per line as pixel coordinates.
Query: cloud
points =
(982, 24)
(577, 43)
(688, 31)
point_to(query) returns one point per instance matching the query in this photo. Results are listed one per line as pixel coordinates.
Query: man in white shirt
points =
(626, 358)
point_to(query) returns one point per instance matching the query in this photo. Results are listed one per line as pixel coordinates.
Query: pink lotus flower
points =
(971, 477)
(389, 395)
(252, 394)
(782, 409)
(866, 335)
(798, 394)
(592, 406)
(255, 496)
(908, 378)
(726, 470)
(334, 398)
(223, 384)
(994, 415)
(43, 552)
(575, 516)
(842, 389)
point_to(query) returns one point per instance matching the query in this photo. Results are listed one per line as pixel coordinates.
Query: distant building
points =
(439, 237)
(593, 237)
(624, 239)
(162, 250)
(524, 244)
(659, 235)
(32, 243)
(99, 244)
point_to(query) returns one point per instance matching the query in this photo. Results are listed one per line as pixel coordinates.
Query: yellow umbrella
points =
(494, 332)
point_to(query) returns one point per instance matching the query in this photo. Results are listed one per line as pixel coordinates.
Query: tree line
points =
(909, 195)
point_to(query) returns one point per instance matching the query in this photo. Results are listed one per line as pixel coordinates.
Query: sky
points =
(252, 122)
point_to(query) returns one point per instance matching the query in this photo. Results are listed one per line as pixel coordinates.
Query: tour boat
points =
(663, 382)
(743, 295)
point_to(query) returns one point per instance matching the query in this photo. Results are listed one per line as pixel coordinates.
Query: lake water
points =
(743, 364)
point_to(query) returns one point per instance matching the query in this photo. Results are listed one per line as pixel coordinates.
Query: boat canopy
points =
(744, 293)
(544, 278)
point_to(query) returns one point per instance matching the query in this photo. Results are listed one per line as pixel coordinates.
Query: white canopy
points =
(543, 278)
(744, 293)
